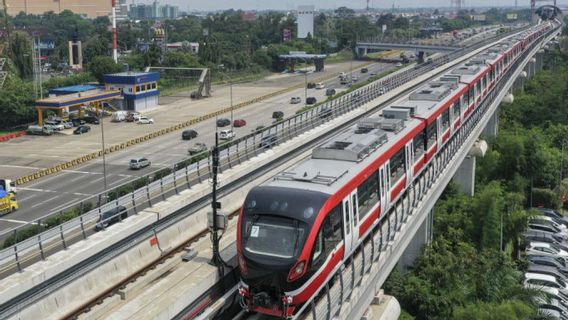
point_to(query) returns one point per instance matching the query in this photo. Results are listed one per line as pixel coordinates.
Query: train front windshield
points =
(276, 220)
(273, 237)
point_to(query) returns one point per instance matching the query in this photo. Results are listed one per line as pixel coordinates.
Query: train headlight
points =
(297, 271)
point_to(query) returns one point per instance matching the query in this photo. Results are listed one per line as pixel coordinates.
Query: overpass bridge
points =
(407, 225)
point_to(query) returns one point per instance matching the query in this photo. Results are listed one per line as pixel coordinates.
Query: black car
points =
(311, 100)
(90, 119)
(329, 92)
(111, 217)
(82, 129)
(268, 141)
(277, 114)
(77, 122)
(364, 70)
(188, 134)
(311, 85)
(223, 122)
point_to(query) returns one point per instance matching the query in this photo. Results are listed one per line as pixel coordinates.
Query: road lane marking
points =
(23, 199)
(64, 204)
(14, 221)
(36, 190)
(82, 172)
(20, 167)
(43, 202)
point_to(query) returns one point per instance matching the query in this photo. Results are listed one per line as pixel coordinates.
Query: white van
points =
(226, 134)
(119, 116)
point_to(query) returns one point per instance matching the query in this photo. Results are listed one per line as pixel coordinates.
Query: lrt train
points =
(295, 230)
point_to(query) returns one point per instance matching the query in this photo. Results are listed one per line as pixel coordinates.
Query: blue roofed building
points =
(139, 89)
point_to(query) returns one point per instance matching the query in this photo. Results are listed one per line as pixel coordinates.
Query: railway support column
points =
(492, 126)
(465, 175)
(422, 237)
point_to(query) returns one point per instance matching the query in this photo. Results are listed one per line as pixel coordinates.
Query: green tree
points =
(102, 65)
(21, 54)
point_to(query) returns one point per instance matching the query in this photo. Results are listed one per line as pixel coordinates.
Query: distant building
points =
(248, 16)
(305, 21)
(193, 47)
(153, 11)
(139, 89)
(87, 8)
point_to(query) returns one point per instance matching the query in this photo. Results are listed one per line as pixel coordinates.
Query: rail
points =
(334, 293)
(184, 176)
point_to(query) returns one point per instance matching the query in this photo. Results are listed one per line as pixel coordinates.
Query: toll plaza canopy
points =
(289, 60)
(74, 96)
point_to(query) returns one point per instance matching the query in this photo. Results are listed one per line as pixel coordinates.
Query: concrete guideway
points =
(69, 152)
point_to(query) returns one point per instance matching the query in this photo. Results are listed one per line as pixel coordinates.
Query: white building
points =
(305, 21)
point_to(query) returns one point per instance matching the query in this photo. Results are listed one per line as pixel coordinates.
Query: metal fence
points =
(327, 302)
(38, 247)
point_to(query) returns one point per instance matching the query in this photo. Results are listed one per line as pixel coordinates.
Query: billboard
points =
(512, 16)
(305, 21)
(478, 17)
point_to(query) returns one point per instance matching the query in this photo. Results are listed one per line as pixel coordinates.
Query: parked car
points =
(311, 85)
(77, 122)
(198, 147)
(551, 271)
(533, 225)
(111, 217)
(330, 92)
(558, 263)
(547, 221)
(132, 116)
(91, 120)
(553, 214)
(543, 236)
(82, 129)
(54, 125)
(67, 124)
(226, 134)
(268, 141)
(139, 163)
(311, 100)
(145, 120)
(537, 281)
(364, 70)
(39, 130)
(295, 100)
(277, 114)
(239, 123)
(223, 122)
(188, 134)
(545, 249)
(320, 85)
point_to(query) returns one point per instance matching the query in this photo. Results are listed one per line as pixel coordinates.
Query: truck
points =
(8, 202)
(40, 130)
(119, 116)
(8, 185)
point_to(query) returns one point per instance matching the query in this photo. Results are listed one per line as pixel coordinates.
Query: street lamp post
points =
(231, 94)
(103, 143)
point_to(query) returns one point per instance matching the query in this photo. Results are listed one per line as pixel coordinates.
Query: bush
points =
(21, 235)
(162, 173)
(545, 198)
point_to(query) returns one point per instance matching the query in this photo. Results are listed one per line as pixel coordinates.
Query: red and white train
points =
(295, 230)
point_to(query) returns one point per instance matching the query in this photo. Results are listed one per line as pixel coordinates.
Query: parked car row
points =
(546, 241)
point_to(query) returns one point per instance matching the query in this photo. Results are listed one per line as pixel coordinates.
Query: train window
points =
(318, 248)
(431, 135)
(419, 144)
(445, 120)
(398, 166)
(477, 91)
(368, 194)
(347, 218)
(456, 109)
(332, 228)
(354, 204)
(470, 96)
(275, 237)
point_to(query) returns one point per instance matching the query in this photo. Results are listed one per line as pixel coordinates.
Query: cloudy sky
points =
(190, 5)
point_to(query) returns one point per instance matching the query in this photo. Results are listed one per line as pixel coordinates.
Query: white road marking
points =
(118, 181)
(14, 221)
(83, 194)
(64, 205)
(43, 202)
(36, 190)
(19, 167)
(82, 172)
(23, 199)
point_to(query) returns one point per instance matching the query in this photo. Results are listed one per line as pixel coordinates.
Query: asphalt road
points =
(60, 190)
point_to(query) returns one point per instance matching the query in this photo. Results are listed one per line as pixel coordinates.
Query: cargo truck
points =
(8, 202)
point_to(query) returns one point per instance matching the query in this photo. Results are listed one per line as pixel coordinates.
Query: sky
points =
(191, 5)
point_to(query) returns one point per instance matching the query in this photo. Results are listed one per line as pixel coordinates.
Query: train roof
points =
(340, 159)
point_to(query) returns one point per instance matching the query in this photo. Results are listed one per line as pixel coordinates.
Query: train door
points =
(384, 190)
(409, 150)
(439, 131)
(351, 230)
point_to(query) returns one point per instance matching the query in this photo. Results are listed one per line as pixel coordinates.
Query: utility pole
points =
(216, 258)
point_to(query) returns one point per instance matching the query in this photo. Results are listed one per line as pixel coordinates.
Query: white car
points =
(320, 85)
(226, 134)
(549, 221)
(145, 120)
(545, 249)
(53, 125)
(544, 282)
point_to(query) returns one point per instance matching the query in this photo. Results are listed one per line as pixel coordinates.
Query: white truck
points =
(39, 130)
(119, 116)
(226, 134)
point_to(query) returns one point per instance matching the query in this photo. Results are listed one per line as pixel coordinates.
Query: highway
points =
(58, 191)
